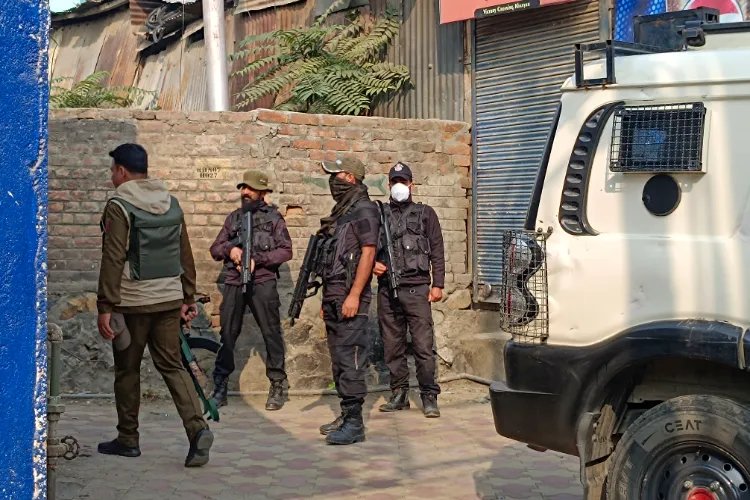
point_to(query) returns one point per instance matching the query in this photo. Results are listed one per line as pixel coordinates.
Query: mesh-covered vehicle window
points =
(658, 138)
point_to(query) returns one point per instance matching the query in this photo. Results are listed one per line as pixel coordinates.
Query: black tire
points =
(204, 350)
(685, 444)
(205, 343)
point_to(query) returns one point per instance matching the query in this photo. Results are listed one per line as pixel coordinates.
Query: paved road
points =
(281, 455)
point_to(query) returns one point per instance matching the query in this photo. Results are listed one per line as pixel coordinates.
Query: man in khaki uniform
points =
(147, 275)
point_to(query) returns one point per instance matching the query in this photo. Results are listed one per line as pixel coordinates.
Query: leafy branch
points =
(335, 68)
(91, 93)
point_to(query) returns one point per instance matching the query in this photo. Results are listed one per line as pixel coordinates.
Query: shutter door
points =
(521, 60)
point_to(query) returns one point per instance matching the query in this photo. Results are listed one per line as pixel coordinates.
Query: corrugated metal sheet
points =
(139, 10)
(521, 60)
(101, 44)
(124, 53)
(434, 55)
(193, 86)
(250, 5)
(431, 51)
(178, 75)
(254, 23)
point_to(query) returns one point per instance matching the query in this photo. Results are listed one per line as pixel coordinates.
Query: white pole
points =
(216, 56)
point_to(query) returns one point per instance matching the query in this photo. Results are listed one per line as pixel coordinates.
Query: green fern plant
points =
(335, 69)
(90, 93)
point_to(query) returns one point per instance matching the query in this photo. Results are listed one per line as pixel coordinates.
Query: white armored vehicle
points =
(628, 294)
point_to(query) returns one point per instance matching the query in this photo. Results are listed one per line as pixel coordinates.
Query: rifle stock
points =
(388, 246)
(307, 279)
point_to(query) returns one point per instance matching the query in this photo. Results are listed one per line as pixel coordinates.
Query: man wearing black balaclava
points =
(418, 248)
(348, 254)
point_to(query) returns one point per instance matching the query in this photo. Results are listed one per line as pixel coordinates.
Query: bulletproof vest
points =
(263, 221)
(154, 246)
(337, 262)
(411, 247)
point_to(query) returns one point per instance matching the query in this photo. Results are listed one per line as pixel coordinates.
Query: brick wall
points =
(201, 157)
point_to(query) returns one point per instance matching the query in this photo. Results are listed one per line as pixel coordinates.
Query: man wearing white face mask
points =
(417, 250)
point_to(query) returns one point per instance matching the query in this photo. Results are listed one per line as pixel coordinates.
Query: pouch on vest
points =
(412, 248)
(154, 249)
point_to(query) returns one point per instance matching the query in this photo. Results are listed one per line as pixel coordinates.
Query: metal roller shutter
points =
(521, 60)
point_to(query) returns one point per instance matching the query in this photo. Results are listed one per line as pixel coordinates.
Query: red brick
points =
(462, 161)
(453, 127)
(245, 139)
(304, 119)
(59, 195)
(334, 120)
(336, 145)
(458, 149)
(244, 116)
(293, 130)
(204, 116)
(153, 126)
(87, 242)
(306, 144)
(464, 138)
(352, 133)
(386, 157)
(268, 115)
(324, 132)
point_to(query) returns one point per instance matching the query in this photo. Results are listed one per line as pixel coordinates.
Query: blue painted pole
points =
(24, 26)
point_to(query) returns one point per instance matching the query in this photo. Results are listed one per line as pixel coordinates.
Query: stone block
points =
(460, 299)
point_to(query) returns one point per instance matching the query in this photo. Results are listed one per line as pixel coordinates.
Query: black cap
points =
(400, 171)
(131, 156)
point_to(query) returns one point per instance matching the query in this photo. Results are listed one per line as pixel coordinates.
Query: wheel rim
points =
(693, 471)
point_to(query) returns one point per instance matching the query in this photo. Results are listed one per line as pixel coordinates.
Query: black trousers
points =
(264, 305)
(412, 309)
(350, 351)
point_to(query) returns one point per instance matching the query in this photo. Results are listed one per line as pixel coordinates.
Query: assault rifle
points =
(247, 250)
(387, 244)
(307, 279)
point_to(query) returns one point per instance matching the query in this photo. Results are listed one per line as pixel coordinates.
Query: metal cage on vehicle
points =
(524, 308)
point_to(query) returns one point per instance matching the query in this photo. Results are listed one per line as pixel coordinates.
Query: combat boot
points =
(326, 429)
(275, 399)
(352, 430)
(430, 406)
(199, 448)
(220, 391)
(115, 447)
(399, 400)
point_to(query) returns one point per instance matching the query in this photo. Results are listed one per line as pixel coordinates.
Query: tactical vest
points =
(263, 241)
(411, 247)
(154, 245)
(337, 262)
(263, 221)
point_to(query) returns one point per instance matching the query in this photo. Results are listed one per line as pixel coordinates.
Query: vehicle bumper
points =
(547, 387)
(534, 405)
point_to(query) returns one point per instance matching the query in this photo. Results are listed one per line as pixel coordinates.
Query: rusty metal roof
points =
(86, 9)
(175, 68)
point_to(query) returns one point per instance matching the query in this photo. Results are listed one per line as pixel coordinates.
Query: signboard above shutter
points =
(461, 10)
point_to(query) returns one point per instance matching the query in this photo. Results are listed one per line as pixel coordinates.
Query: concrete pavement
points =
(281, 455)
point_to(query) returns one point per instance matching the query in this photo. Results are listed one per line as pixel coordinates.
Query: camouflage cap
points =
(348, 164)
(255, 179)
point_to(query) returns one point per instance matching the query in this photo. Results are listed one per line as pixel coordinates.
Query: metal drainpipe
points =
(66, 447)
(216, 55)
